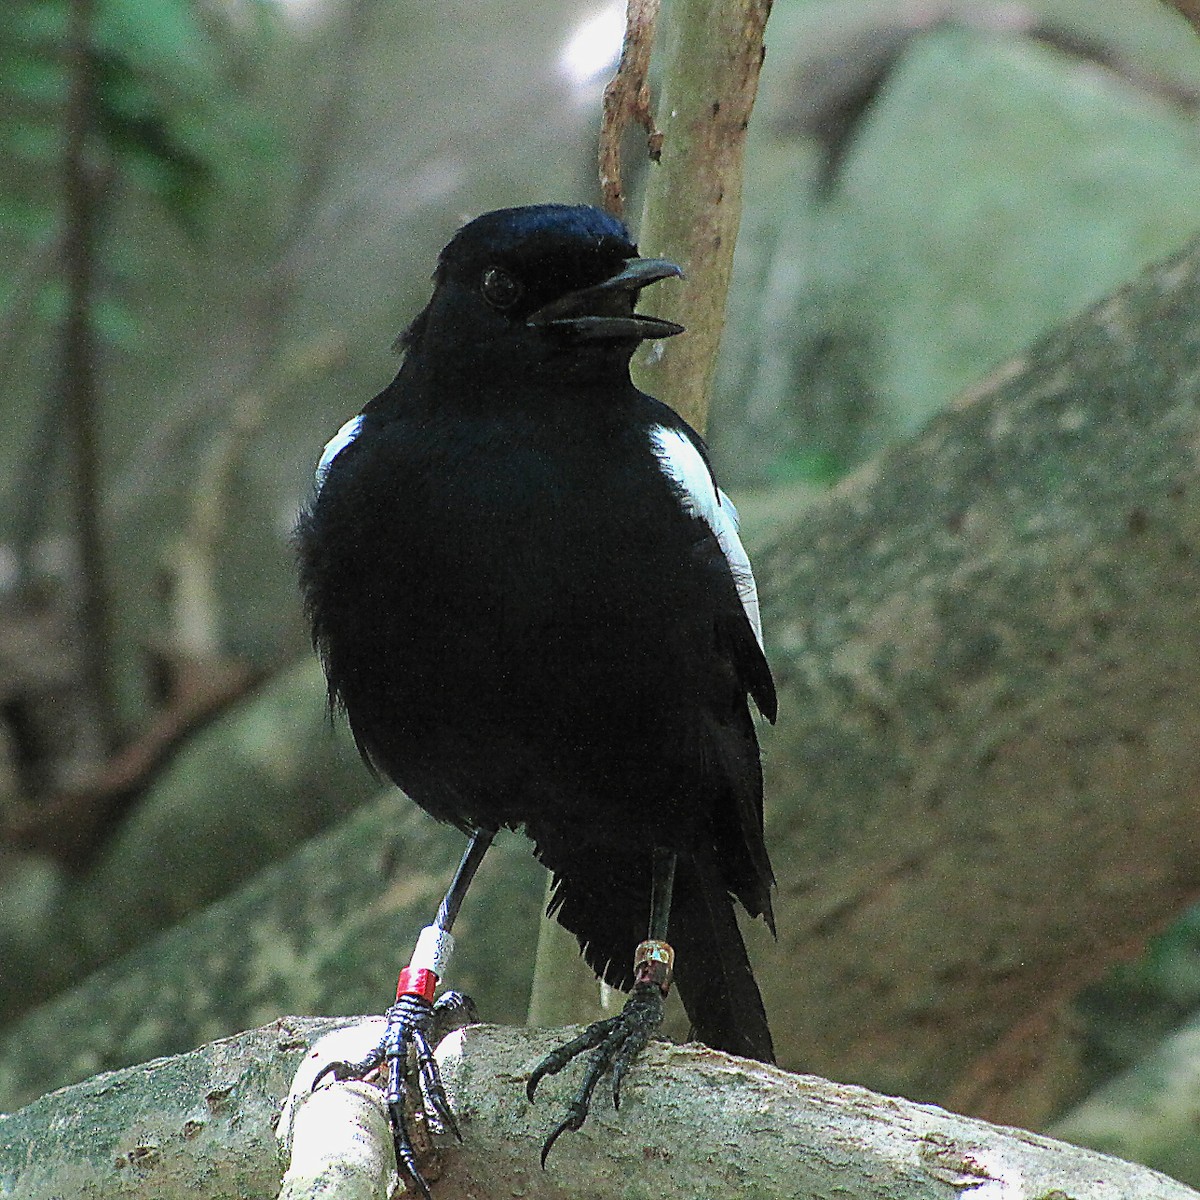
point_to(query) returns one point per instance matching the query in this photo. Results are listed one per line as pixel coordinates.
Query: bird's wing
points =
(683, 463)
(336, 444)
(681, 456)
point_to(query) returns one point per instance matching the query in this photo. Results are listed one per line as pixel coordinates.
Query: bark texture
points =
(985, 780)
(694, 1122)
(712, 55)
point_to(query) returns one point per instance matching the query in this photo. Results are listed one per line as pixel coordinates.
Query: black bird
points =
(530, 597)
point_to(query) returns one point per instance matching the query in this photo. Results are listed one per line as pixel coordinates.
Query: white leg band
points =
(435, 948)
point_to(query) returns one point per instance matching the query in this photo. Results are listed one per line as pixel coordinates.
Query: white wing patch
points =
(685, 466)
(336, 445)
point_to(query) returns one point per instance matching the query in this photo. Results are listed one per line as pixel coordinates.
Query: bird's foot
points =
(413, 1024)
(614, 1042)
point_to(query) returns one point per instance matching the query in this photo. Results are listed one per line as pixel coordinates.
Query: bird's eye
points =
(500, 289)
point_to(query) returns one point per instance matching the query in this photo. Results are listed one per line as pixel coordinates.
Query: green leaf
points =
(116, 324)
(25, 217)
(161, 36)
(41, 24)
(31, 143)
(807, 466)
(33, 80)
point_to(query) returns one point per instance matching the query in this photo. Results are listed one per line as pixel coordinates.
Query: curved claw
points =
(554, 1062)
(405, 1155)
(341, 1069)
(432, 1092)
(576, 1115)
(539, 1073)
(614, 1044)
(453, 1010)
(408, 1023)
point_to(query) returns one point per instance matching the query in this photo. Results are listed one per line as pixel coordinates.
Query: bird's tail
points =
(607, 905)
(712, 968)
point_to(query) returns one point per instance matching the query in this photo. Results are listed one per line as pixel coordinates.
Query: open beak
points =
(604, 312)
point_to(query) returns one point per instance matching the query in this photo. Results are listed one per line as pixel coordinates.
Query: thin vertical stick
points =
(627, 99)
(79, 389)
(713, 50)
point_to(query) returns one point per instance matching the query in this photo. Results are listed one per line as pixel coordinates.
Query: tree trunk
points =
(985, 781)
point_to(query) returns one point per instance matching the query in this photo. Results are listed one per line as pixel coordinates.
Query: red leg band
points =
(417, 982)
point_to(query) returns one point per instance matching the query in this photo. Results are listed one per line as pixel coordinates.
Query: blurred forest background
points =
(216, 216)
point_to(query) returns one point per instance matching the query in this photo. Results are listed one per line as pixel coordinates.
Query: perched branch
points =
(338, 1138)
(194, 1125)
(694, 200)
(694, 1122)
(342, 1146)
(627, 100)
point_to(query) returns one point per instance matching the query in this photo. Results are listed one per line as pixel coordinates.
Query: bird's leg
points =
(615, 1042)
(413, 1021)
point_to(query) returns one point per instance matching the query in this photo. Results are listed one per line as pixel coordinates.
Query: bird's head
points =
(540, 286)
